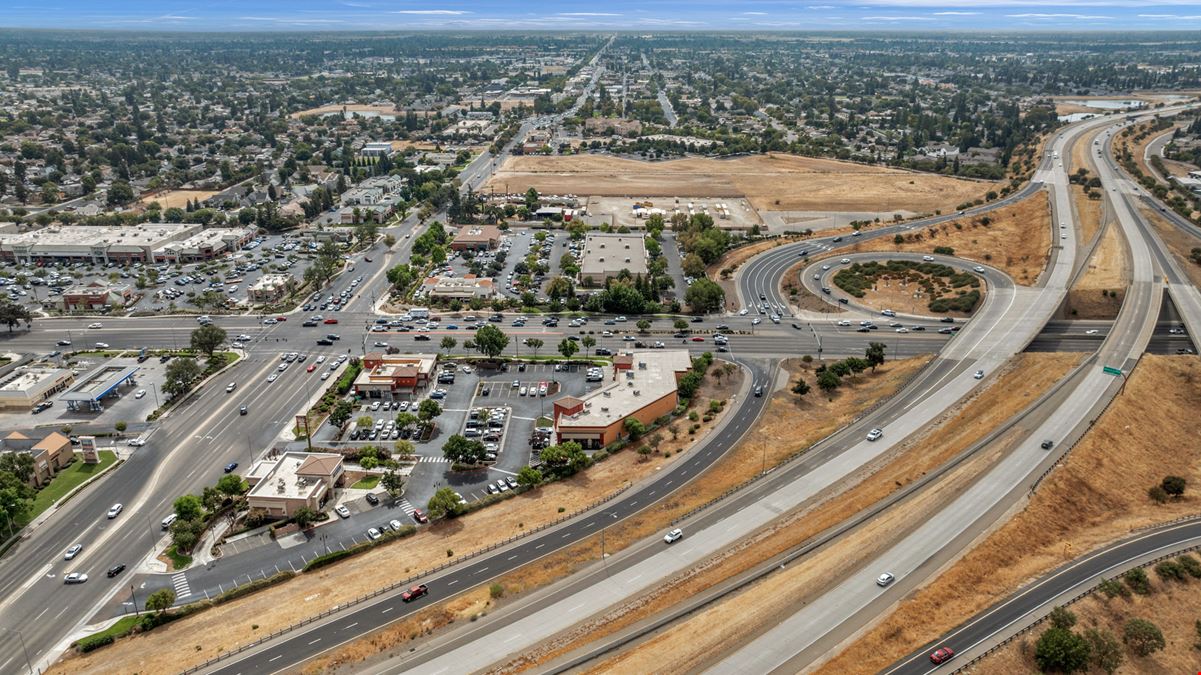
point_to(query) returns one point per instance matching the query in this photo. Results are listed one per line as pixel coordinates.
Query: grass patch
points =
(68, 479)
(178, 560)
(123, 627)
(367, 483)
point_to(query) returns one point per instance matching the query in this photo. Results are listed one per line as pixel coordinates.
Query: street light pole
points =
(28, 662)
(134, 598)
(604, 555)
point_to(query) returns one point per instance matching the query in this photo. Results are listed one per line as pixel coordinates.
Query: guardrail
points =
(401, 584)
(1071, 601)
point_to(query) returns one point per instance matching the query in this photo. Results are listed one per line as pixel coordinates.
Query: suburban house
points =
(385, 375)
(476, 238)
(641, 386)
(294, 480)
(50, 455)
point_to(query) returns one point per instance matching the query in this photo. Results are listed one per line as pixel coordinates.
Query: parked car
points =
(373, 534)
(372, 499)
(420, 516)
(342, 511)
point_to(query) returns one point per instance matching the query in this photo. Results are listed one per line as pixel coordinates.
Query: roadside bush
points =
(1157, 494)
(497, 591)
(254, 586)
(1190, 565)
(1170, 570)
(93, 643)
(1062, 617)
(1174, 485)
(1137, 580)
(334, 556)
(1113, 588)
(1143, 637)
(1060, 650)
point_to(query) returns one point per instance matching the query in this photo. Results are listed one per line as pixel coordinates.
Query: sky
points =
(635, 15)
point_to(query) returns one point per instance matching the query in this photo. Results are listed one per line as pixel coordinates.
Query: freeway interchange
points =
(187, 449)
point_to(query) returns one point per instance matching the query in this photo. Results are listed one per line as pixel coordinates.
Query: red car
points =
(698, 339)
(941, 655)
(281, 318)
(420, 516)
(311, 368)
(331, 321)
(414, 593)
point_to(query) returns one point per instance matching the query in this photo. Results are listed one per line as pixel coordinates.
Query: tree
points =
(463, 450)
(828, 381)
(160, 600)
(12, 314)
(801, 388)
(693, 265)
(1106, 650)
(1174, 485)
(303, 517)
(531, 199)
(405, 420)
(180, 375)
(120, 426)
(491, 341)
(120, 193)
(188, 507)
(534, 344)
(680, 324)
(704, 296)
(393, 481)
(1143, 637)
(231, 484)
(529, 477)
(448, 343)
(19, 464)
(444, 504)
(644, 325)
(634, 428)
(568, 348)
(341, 412)
(206, 339)
(1060, 650)
(428, 409)
(589, 342)
(875, 354)
(565, 458)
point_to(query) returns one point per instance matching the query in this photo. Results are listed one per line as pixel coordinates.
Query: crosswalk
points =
(406, 506)
(180, 582)
(436, 460)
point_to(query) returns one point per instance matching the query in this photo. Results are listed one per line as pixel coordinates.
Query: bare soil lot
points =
(1097, 495)
(177, 198)
(773, 182)
(1016, 239)
(350, 107)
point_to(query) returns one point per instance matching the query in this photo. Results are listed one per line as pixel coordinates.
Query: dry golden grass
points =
(1017, 239)
(1173, 606)
(894, 294)
(1178, 169)
(1099, 494)
(708, 635)
(1088, 212)
(1099, 292)
(227, 626)
(1178, 242)
(730, 261)
(177, 198)
(772, 182)
(349, 107)
(799, 296)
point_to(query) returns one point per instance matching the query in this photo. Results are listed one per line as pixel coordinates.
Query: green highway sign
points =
(1111, 371)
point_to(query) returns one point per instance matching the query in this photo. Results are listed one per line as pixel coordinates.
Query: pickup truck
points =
(414, 593)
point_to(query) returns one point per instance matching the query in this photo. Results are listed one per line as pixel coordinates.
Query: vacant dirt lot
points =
(693, 643)
(1173, 606)
(349, 107)
(1016, 239)
(1099, 494)
(178, 198)
(774, 182)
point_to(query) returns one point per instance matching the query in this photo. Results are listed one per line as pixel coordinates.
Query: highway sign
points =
(1111, 371)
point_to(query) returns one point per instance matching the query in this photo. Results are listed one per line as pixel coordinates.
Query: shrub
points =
(1062, 617)
(1137, 580)
(1173, 485)
(1190, 565)
(94, 642)
(1061, 650)
(1158, 494)
(1143, 637)
(496, 591)
(1170, 570)
(1112, 588)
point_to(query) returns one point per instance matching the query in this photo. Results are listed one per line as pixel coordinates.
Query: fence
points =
(402, 584)
(1073, 600)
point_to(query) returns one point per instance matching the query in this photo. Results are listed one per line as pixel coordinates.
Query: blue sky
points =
(638, 15)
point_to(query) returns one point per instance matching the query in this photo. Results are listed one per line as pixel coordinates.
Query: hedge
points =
(334, 556)
(94, 642)
(256, 585)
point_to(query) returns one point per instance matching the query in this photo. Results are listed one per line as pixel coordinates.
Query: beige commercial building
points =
(27, 386)
(270, 288)
(458, 288)
(607, 254)
(296, 479)
(50, 455)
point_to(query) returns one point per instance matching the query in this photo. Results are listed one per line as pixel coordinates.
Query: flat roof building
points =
(26, 386)
(103, 381)
(147, 242)
(296, 480)
(641, 386)
(205, 245)
(461, 288)
(270, 288)
(607, 254)
(476, 238)
(386, 375)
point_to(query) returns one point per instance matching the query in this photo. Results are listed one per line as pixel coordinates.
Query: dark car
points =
(421, 337)
(115, 570)
(309, 324)
(941, 655)
(843, 301)
(698, 319)
(229, 468)
(242, 410)
(414, 593)
(1047, 444)
(521, 367)
(372, 499)
(947, 319)
(836, 239)
(324, 342)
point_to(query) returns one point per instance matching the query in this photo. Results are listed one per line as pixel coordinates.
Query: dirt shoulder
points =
(206, 634)
(1097, 495)
(696, 641)
(799, 296)
(1015, 238)
(723, 271)
(771, 182)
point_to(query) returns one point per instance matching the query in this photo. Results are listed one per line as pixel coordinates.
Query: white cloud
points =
(1039, 15)
(432, 12)
(588, 14)
(820, 7)
(897, 18)
(956, 13)
(1175, 17)
(755, 13)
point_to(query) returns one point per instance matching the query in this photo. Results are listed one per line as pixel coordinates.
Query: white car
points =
(466, 369)
(741, 312)
(231, 386)
(136, 442)
(373, 534)
(325, 375)
(75, 578)
(272, 377)
(978, 269)
(979, 375)
(140, 393)
(102, 345)
(902, 330)
(928, 258)
(845, 261)
(269, 322)
(874, 434)
(95, 325)
(72, 552)
(115, 510)
(844, 322)
(342, 511)
(884, 579)
(756, 321)
(321, 359)
(395, 525)
(673, 536)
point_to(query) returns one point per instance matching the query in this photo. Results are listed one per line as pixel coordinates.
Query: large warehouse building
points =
(146, 243)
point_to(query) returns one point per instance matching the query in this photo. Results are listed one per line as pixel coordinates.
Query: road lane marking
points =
(315, 641)
(452, 583)
(275, 658)
(387, 609)
(539, 546)
(351, 625)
